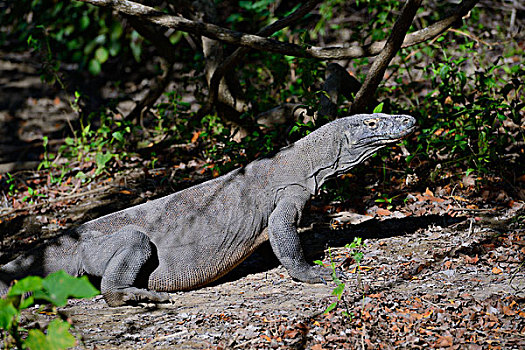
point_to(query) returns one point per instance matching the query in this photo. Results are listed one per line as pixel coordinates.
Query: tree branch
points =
(284, 114)
(264, 44)
(236, 57)
(439, 27)
(392, 46)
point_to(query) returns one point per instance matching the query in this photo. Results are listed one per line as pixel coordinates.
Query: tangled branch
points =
(258, 42)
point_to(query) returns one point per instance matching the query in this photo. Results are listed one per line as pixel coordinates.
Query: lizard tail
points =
(42, 260)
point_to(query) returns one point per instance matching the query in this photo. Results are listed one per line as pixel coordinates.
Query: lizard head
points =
(338, 146)
(377, 130)
(365, 134)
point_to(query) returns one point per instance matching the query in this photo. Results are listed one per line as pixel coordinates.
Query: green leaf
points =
(293, 129)
(7, 314)
(58, 335)
(102, 54)
(57, 338)
(118, 135)
(26, 285)
(81, 288)
(114, 48)
(319, 262)
(94, 66)
(178, 35)
(36, 340)
(379, 108)
(26, 302)
(246, 5)
(89, 47)
(101, 159)
(338, 291)
(81, 175)
(135, 45)
(116, 31)
(84, 22)
(59, 286)
(331, 307)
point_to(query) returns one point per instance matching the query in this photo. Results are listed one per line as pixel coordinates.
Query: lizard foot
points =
(313, 274)
(133, 295)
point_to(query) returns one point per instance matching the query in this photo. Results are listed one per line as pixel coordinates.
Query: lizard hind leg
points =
(122, 259)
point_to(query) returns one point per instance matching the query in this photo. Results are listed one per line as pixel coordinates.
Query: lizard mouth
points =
(388, 139)
(404, 133)
(408, 131)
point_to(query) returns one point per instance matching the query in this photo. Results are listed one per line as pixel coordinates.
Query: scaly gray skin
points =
(190, 238)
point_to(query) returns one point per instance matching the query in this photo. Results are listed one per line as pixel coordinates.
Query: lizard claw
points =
(313, 274)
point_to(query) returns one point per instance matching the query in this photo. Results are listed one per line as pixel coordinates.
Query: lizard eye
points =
(372, 123)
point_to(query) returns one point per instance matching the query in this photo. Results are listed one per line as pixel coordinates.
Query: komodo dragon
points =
(191, 238)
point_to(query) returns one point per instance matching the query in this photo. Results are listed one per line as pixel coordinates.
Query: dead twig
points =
(470, 36)
(474, 210)
(56, 200)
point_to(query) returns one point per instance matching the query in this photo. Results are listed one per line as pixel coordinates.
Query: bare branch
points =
(264, 44)
(157, 87)
(441, 26)
(200, 28)
(235, 58)
(259, 42)
(392, 46)
(284, 114)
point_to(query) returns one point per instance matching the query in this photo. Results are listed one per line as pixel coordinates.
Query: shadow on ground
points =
(316, 239)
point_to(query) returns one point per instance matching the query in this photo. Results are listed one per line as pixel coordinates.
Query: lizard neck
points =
(316, 158)
(326, 153)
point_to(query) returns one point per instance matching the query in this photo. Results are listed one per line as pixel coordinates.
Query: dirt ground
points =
(438, 281)
(436, 272)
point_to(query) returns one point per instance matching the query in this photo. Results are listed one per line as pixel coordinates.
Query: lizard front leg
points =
(285, 243)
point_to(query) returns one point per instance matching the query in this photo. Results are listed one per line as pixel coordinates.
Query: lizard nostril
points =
(408, 121)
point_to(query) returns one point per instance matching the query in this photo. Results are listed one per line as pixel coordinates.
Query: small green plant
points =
(31, 195)
(56, 289)
(11, 184)
(355, 251)
(383, 198)
(39, 42)
(100, 146)
(339, 288)
(47, 163)
(102, 159)
(226, 154)
(173, 116)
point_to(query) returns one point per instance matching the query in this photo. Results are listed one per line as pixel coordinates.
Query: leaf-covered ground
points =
(431, 281)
